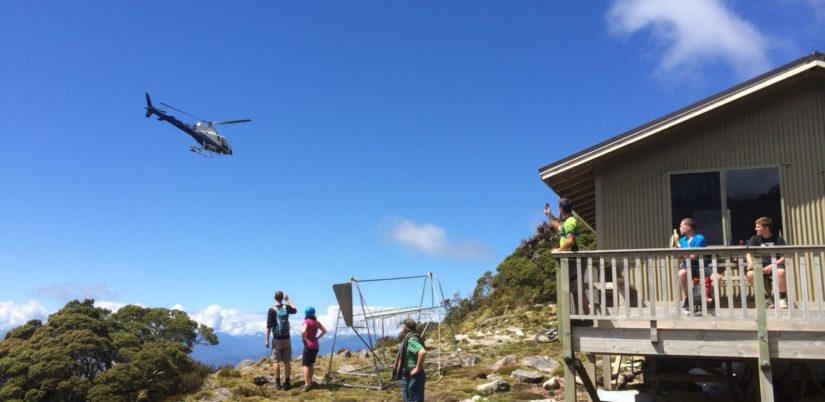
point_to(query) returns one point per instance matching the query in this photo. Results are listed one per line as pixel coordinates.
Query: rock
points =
(509, 359)
(541, 363)
(494, 377)
(551, 384)
(462, 338)
(347, 368)
(364, 354)
(517, 331)
(530, 377)
(429, 343)
(245, 363)
(469, 360)
(493, 387)
(343, 351)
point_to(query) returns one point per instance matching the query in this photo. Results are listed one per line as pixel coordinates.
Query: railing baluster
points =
(729, 287)
(803, 276)
(790, 281)
(615, 286)
(602, 287)
(775, 286)
(743, 280)
(677, 288)
(590, 285)
(689, 276)
(663, 283)
(714, 278)
(702, 277)
(626, 277)
(637, 271)
(651, 294)
(818, 285)
(579, 280)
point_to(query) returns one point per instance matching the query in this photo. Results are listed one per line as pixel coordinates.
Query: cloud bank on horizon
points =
(694, 33)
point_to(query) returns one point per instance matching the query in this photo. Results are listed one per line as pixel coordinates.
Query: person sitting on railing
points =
(568, 227)
(765, 237)
(690, 239)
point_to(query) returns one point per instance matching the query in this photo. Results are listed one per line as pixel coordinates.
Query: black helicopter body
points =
(202, 132)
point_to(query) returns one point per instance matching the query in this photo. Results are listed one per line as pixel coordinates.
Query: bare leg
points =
(287, 370)
(307, 376)
(683, 282)
(277, 368)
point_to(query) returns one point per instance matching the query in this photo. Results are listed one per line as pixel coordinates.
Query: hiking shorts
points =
(309, 356)
(281, 350)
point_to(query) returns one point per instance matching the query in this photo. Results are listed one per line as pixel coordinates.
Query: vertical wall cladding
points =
(784, 127)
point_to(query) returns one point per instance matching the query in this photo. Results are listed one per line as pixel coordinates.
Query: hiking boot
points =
(783, 303)
(287, 387)
(306, 387)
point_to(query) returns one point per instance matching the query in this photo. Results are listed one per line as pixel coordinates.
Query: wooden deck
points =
(635, 301)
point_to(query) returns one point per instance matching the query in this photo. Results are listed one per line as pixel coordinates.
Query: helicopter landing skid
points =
(200, 151)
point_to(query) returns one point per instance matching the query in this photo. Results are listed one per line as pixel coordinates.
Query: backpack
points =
(281, 322)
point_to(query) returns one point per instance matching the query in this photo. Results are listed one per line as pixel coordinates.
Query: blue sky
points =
(388, 138)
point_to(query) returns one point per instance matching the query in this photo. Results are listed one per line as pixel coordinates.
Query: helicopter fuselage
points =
(206, 136)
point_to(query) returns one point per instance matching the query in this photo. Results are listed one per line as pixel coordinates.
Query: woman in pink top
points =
(309, 333)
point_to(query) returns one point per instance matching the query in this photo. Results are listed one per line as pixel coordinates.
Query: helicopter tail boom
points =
(149, 108)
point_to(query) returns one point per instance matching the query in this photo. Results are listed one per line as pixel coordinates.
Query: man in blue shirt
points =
(690, 239)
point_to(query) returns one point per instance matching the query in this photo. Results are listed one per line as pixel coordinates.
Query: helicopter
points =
(203, 131)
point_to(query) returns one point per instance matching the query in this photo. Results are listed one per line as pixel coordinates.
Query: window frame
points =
(723, 193)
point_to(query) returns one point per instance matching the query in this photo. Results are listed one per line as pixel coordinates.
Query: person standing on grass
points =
(309, 334)
(277, 323)
(409, 364)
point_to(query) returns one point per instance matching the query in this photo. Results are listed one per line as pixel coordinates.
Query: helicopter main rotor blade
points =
(233, 121)
(190, 115)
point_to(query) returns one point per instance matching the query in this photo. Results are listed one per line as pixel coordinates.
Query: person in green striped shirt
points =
(409, 364)
(568, 227)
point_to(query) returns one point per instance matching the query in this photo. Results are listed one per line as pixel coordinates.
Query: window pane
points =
(698, 196)
(751, 194)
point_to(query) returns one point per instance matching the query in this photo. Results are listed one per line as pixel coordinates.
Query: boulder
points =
(551, 384)
(345, 353)
(493, 387)
(506, 360)
(469, 360)
(541, 363)
(347, 368)
(364, 354)
(530, 377)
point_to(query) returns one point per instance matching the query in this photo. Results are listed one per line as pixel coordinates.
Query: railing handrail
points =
(681, 251)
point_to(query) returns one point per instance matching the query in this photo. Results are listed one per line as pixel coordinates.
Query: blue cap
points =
(309, 311)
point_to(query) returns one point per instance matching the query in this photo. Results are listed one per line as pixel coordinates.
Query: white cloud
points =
(13, 315)
(231, 321)
(64, 292)
(693, 33)
(431, 240)
(112, 306)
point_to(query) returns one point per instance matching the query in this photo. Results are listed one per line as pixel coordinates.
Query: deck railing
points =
(629, 288)
(644, 284)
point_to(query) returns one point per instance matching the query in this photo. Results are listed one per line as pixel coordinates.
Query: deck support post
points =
(763, 363)
(563, 315)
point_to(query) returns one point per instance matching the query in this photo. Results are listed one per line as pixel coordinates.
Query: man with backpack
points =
(277, 323)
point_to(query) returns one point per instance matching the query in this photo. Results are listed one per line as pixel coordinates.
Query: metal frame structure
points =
(370, 325)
